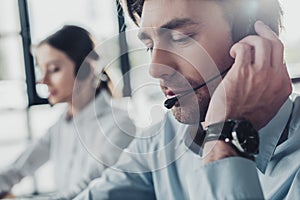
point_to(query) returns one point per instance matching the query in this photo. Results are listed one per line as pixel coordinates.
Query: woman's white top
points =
(80, 148)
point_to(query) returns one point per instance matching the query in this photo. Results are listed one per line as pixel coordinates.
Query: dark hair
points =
(77, 44)
(241, 14)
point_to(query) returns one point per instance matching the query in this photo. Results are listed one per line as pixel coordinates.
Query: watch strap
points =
(219, 131)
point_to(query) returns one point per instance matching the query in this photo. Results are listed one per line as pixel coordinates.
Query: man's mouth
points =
(172, 93)
(171, 90)
(169, 94)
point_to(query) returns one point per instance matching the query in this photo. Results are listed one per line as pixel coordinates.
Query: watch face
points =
(247, 137)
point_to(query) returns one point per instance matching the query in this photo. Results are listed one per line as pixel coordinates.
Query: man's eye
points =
(180, 38)
(183, 39)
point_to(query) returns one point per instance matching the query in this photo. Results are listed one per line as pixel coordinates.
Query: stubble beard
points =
(195, 110)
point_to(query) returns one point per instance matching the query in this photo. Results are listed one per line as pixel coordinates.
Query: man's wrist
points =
(216, 150)
(239, 136)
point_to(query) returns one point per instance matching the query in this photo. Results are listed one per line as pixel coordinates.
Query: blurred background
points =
(24, 114)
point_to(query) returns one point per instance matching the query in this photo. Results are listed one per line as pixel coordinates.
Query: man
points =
(190, 42)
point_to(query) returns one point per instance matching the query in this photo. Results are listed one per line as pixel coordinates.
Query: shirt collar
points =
(270, 135)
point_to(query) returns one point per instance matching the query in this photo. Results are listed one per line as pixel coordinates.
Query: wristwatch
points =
(238, 133)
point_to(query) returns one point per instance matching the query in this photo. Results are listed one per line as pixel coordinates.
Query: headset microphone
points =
(169, 103)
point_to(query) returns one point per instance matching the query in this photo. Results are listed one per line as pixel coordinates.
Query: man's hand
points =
(258, 83)
(254, 89)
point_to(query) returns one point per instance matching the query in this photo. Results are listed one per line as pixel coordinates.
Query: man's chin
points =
(186, 117)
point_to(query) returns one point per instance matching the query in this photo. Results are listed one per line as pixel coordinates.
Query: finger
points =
(277, 46)
(262, 50)
(241, 52)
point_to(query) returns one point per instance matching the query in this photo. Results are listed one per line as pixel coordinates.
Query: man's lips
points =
(171, 93)
(172, 89)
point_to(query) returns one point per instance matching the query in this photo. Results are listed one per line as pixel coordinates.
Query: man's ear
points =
(242, 27)
(244, 19)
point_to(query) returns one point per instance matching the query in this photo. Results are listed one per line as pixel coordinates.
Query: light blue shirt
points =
(169, 166)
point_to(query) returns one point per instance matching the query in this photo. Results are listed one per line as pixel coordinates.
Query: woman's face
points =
(58, 73)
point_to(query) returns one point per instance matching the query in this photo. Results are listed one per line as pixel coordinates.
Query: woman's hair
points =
(241, 14)
(77, 43)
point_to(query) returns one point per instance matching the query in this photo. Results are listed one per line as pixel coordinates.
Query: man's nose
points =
(162, 64)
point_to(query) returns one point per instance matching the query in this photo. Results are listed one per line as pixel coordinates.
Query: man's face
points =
(189, 42)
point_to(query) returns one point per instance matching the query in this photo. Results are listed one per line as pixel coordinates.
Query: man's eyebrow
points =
(178, 23)
(171, 25)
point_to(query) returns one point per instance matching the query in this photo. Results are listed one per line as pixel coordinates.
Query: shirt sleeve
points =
(26, 164)
(116, 183)
(228, 178)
